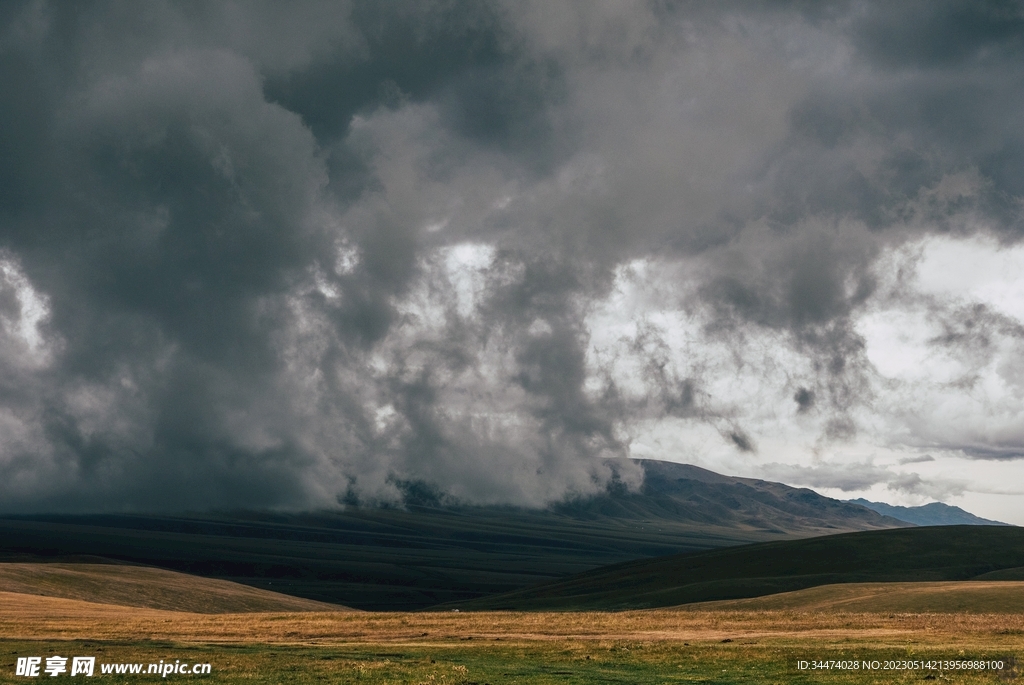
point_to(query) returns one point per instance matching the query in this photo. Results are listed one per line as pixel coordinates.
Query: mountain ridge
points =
(933, 514)
(674, 490)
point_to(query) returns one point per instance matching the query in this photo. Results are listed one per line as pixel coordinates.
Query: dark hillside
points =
(907, 554)
(425, 555)
(377, 559)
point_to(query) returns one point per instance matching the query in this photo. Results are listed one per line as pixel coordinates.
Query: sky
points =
(310, 254)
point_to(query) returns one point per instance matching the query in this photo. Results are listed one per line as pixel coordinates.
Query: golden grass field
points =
(29, 617)
(152, 588)
(742, 641)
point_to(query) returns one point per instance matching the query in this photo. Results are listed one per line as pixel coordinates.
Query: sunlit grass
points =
(552, 661)
(660, 646)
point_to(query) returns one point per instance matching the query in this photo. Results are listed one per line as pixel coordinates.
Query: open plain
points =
(952, 612)
(694, 644)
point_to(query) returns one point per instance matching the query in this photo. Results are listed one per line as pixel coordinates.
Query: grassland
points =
(380, 559)
(432, 552)
(149, 588)
(942, 553)
(643, 647)
(973, 596)
(754, 640)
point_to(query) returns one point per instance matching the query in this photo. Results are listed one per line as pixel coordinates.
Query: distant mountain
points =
(915, 554)
(431, 552)
(682, 492)
(934, 514)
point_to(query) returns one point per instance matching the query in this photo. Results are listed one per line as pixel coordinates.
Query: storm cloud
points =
(256, 255)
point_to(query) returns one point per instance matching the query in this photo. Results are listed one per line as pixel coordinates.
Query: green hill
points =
(908, 554)
(944, 597)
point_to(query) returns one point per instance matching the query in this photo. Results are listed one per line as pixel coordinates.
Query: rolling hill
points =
(149, 588)
(939, 553)
(974, 596)
(429, 553)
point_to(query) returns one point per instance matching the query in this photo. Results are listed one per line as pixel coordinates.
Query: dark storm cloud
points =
(940, 34)
(861, 476)
(804, 399)
(742, 441)
(990, 451)
(267, 255)
(846, 477)
(917, 460)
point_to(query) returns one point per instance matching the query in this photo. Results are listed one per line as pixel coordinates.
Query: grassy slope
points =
(908, 554)
(408, 559)
(392, 559)
(151, 588)
(387, 560)
(944, 597)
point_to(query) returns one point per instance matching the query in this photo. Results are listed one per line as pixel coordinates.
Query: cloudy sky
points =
(261, 254)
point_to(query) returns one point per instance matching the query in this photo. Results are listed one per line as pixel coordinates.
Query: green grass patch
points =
(562, 662)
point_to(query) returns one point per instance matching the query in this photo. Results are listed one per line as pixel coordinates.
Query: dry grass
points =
(650, 647)
(33, 617)
(978, 597)
(149, 588)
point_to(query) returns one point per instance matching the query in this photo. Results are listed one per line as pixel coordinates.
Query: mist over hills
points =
(426, 554)
(933, 514)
